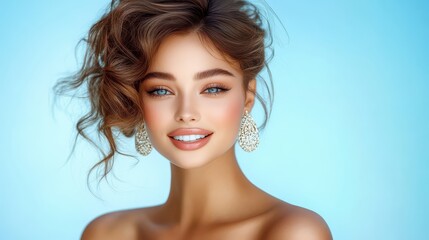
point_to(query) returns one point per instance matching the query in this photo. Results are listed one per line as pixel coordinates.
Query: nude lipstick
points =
(189, 139)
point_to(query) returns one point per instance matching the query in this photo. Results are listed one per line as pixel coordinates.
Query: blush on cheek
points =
(154, 117)
(234, 111)
(155, 111)
(229, 115)
(236, 107)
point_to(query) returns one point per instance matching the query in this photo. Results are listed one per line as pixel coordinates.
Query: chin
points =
(197, 159)
(189, 164)
(189, 160)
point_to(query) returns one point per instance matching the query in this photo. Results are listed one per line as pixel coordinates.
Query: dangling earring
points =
(143, 145)
(248, 135)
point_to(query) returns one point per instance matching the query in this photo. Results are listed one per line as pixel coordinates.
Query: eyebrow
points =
(197, 76)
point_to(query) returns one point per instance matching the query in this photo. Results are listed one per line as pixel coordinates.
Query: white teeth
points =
(189, 138)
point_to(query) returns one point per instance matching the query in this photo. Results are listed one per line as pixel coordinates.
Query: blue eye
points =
(213, 90)
(160, 92)
(216, 89)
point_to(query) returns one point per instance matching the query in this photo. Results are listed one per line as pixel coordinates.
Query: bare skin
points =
(210, 197)
(212, 207)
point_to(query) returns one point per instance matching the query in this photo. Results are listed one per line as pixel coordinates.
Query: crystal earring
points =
(248, 135)
(143, 145)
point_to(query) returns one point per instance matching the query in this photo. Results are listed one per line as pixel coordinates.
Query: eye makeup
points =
(215, 89)
(158, 91)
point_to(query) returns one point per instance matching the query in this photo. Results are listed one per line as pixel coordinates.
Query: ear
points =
(250, 95)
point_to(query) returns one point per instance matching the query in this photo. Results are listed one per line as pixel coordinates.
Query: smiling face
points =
(193, 100)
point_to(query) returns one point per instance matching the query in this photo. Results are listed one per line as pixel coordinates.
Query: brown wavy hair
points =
(120, 46)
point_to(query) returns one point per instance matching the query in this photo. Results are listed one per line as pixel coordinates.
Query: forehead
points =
(189, 53)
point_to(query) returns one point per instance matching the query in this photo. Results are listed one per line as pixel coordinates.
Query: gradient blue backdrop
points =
(348, 137)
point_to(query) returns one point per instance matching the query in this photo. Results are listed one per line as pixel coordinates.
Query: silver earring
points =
(143, 145)
(248, 135)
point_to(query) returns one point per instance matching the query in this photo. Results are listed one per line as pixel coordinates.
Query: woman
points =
(181, 76)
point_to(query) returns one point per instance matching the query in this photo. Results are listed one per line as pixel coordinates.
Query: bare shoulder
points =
(293, 222)
(111, 226)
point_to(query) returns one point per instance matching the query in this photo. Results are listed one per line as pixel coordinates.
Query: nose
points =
(187, 110)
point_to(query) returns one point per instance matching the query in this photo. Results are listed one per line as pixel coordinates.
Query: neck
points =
(209, 193)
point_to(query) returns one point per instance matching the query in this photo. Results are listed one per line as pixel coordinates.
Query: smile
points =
(189, 139)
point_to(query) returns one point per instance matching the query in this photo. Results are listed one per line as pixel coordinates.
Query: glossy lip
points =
(190, 146)
(189, 131)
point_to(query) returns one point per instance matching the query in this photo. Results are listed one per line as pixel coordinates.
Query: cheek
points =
(228, 113)
(231, 114)
(155, 113)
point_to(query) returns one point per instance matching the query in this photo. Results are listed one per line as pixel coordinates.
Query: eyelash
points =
(155, 92)
(219, 87)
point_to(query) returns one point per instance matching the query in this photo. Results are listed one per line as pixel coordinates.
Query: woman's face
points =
(193, 100)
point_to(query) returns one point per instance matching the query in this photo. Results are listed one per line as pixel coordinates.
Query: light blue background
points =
(348, 137)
